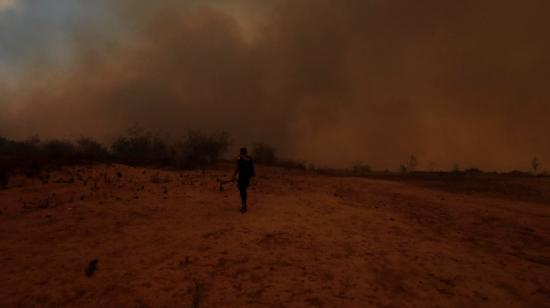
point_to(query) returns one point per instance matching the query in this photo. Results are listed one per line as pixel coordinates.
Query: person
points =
(245, 171)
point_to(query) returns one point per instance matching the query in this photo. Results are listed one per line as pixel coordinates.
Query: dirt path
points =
(172, 239)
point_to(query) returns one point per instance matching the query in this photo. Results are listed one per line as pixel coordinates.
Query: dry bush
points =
(360, 169)
(535, 164)
(23, 155)
(146, 149)
(59, 152)
(266, 154)
(19, 153)
(33, 156)
(517, 173)
(263, 153)
(473, 171)
(412, 164)
(140, 149)
(291, 164)
(200, 151)
(91, 151)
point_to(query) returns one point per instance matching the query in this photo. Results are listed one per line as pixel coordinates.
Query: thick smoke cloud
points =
(332, 82)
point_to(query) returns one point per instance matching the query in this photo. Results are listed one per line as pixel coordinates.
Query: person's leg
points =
(244, 196)
(243, 186)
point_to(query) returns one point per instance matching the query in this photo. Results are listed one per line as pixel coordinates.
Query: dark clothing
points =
(244, 194)
(244, 182)
(246, 171)
(246, 168)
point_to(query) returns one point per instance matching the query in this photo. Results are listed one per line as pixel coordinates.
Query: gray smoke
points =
(332, 82)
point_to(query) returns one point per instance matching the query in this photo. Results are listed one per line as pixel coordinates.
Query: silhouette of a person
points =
(245, 171)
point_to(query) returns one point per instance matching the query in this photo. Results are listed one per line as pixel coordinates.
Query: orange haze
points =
(331, 82)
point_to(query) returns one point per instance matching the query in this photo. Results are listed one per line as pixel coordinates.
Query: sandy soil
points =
(166, 239)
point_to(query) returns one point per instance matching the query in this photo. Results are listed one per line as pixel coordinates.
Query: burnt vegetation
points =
(264, 154)
(33, 157)
(267, 155)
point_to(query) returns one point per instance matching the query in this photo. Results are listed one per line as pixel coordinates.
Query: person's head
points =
(244, 151)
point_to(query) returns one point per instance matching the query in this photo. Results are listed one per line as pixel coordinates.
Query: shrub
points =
(90, 151)
(59, 151)
(518, 173)
(19, 152)
(456, 169)
(263, 153)
(25, 155)
(140, 149)
(535, 164)
(412, 164)
(361, 169)
(292, 164)
(131, 151)
(200, 151)
(473, 171)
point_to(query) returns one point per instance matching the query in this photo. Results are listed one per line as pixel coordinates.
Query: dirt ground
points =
(172, 239)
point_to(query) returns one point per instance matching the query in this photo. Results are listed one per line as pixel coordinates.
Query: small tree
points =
(412, 163)
(141, 148)
(200, 151)
(456, 169)
(91, 151)
(62, 151)
(535, 164)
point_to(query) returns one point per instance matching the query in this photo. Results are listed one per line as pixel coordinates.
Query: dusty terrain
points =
(167, 239)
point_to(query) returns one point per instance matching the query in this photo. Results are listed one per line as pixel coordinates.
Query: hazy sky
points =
(331, 82)
(6, 5)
